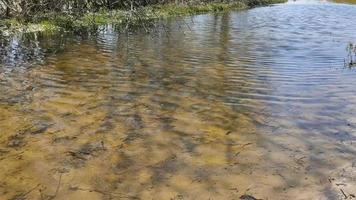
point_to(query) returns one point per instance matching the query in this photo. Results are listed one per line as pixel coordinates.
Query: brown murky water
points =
(245, 103)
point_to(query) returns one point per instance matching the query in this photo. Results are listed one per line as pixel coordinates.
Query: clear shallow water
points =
(256, 102)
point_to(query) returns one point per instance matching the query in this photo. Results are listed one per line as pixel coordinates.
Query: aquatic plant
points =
(350, 60)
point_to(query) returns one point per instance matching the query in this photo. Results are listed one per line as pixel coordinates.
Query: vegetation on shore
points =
(127, 16)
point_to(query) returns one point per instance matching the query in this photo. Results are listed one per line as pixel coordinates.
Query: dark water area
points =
(215, 106)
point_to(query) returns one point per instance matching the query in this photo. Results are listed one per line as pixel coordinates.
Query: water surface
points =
(216, 106)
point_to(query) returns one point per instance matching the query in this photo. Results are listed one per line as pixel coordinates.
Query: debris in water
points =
(342, 191)
(16, 140)
(78, 157)
(350, 61)
(248, 197)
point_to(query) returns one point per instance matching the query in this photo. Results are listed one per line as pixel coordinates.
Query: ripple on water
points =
(244, 104)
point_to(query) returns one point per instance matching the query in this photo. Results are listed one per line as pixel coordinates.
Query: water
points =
(216, 106)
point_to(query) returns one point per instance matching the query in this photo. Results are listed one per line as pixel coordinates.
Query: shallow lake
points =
(214, 106)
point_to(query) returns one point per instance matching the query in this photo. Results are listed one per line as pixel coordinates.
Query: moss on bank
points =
(55, 21)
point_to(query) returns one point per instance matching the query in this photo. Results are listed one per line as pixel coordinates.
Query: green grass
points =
(56, 21)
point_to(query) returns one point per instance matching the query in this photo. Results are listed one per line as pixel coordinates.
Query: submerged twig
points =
(59, 185)
(242, 148)
(51, 197)
(342, 191)
(31, 190)
(120, 195)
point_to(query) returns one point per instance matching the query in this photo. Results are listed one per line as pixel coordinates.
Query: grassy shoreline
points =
(58, 21)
